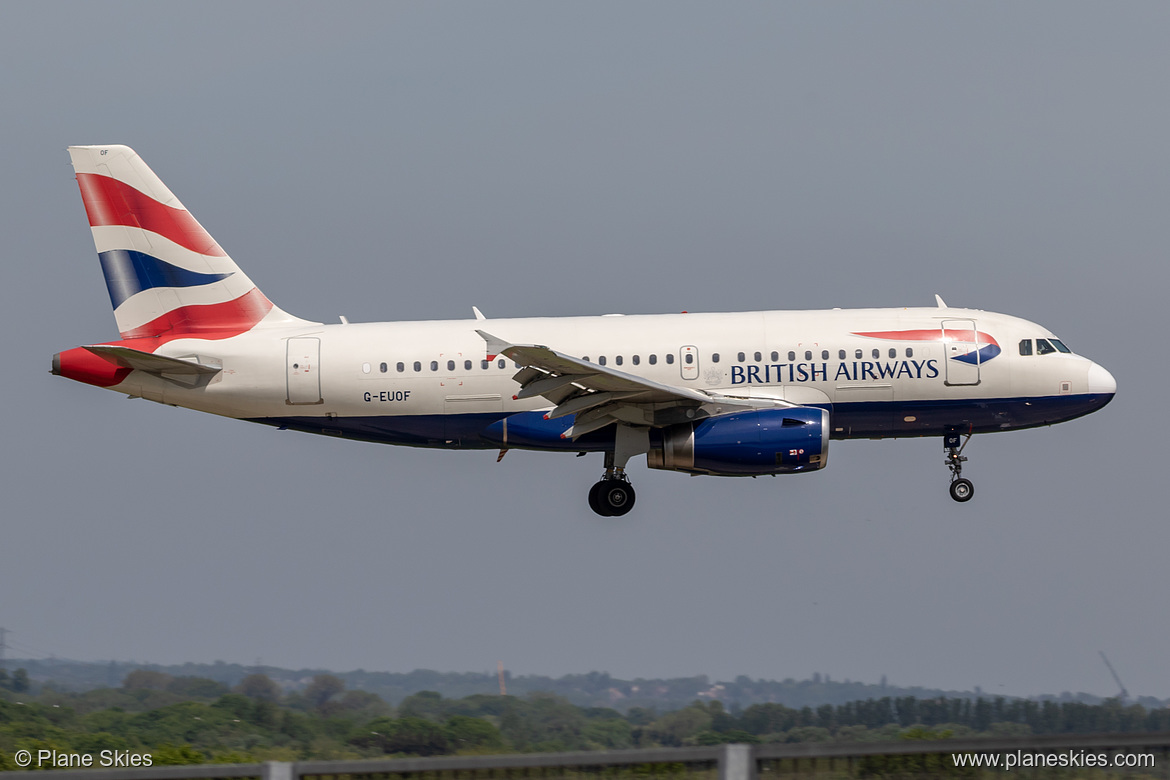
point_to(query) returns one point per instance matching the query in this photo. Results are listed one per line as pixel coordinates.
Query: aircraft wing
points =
(600, 395)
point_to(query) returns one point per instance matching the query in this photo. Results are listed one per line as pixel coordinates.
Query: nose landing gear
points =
(961, 489)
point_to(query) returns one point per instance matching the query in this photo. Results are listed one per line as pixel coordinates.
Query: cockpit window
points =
(1060, 346)
(1026, 347)
(1043, 347)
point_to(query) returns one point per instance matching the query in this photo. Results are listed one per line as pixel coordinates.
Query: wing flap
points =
(586, 401)
(580, 429)
(541, 384)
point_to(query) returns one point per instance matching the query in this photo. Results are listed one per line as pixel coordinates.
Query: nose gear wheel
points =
(961, 489)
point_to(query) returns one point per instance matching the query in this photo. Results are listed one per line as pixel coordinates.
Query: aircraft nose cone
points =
(1101, 381)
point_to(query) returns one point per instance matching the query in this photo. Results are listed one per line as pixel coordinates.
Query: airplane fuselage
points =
(880, 372)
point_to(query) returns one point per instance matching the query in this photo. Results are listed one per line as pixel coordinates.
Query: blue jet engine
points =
(745, 444)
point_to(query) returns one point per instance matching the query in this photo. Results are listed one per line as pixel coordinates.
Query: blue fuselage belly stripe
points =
(849, 421)
(935, 417)
(129, 272)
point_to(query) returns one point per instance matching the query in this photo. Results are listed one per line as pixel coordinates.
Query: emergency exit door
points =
(688, 359)
(304, 371)
(961, 346)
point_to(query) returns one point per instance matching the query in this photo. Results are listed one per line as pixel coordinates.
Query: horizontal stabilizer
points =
(150, 363)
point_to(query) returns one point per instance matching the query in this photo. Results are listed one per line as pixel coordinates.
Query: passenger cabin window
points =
(909, 351)
(400, 367)
(670, 358)
(618, 360)
(653, 360)
(450, 365)
(365, 368)
(1026, 347)
(417, 366)
(466, 365)
(759, 357)
(775, 357)
(502, 363)
(740, 357)
(689, 358)
(857, 354)
(1060, 347)
(714, 357)
(808, 354)
(893, 352)
(635, 360)
(876, 354)
(791, 356)
(1043, 347)
(824, 354)
(840, 354)
(383, 368)
(434, 365)
(484, 364)
(601, 360)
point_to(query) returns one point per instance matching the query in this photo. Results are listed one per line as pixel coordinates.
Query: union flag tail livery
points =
(735, 394)
(165, 274)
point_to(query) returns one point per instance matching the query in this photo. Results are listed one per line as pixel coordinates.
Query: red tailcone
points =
(81, 365)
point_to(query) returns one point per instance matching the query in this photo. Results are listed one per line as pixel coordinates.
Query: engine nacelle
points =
(768, 441)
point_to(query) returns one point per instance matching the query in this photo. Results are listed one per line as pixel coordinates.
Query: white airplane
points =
(735, 394)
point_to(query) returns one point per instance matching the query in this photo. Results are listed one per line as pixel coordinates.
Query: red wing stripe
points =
(211, 321)
(934, 334)
(111, 202)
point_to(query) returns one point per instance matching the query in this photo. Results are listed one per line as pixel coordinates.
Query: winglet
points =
(478, 314)
(494, 345)
(941, 303)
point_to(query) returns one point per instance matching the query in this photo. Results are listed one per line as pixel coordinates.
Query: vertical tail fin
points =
(165, 274)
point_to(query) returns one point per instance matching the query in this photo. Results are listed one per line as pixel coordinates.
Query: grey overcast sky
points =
(410, 160)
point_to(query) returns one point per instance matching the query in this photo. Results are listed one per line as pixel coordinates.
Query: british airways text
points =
(855, 371)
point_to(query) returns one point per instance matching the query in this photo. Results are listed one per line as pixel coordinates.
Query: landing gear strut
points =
(961, 489)
(613, 496)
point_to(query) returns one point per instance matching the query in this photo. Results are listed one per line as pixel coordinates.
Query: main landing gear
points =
(614, 496)
(961, 489)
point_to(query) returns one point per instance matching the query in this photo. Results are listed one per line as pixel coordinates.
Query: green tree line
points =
(594, 689)
(195, 720)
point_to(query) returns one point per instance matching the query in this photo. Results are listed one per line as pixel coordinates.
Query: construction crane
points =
(1124, 693)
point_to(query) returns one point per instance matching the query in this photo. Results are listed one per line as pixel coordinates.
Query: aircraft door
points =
(303, 371)
(961, 346)
(688, 362)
